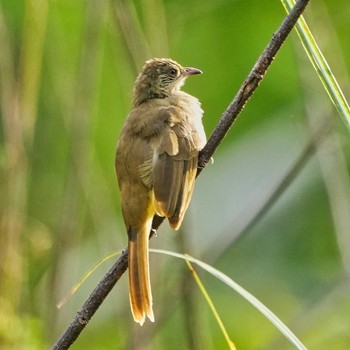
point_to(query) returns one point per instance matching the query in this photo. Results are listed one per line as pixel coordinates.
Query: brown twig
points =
(229, 116)
(251, 83)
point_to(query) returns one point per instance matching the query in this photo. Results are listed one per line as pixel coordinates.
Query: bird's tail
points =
(139, 281)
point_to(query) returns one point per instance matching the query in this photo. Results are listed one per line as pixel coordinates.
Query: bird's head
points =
(159, 78)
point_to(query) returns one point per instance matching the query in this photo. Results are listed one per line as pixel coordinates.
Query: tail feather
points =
(139, 280)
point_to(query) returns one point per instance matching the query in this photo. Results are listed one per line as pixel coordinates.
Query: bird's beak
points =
(187, 71)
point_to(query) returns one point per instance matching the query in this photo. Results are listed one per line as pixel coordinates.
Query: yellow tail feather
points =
(139, 280)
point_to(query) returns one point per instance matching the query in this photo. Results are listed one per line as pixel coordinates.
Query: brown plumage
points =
(156, 164)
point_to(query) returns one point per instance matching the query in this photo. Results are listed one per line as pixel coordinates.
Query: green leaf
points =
(245, 294)
(321, 66)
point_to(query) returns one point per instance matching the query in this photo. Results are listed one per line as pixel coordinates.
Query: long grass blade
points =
(245, 294)
(321, 66)
(84, 278)
(211, 305)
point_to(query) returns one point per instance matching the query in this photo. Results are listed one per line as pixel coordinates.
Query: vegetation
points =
(66, 74)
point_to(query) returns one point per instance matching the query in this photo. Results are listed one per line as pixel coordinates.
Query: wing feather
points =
(167, 174)
(175, 135)
(185, 194)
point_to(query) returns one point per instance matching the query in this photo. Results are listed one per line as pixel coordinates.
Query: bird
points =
(156, 164)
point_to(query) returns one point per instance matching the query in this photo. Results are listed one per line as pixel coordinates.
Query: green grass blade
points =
(321, 66)
(245, 294)
(211, 306)
(84, 278)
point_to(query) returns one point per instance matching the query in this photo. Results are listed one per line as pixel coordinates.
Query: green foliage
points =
(66, 74)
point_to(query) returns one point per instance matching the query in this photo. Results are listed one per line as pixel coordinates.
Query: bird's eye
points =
(173, 72)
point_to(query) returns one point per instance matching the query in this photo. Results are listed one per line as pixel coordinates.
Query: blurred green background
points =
(67, 70)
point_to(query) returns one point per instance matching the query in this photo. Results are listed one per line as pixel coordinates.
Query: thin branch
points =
(251, 83)
(94, 301)
(106, 284)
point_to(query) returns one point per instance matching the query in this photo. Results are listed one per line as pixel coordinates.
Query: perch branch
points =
(248, 87)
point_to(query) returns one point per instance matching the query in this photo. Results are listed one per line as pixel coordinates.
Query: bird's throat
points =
(148, 95)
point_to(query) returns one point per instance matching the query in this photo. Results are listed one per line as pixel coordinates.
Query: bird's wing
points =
(174, 166)
(168, 141)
